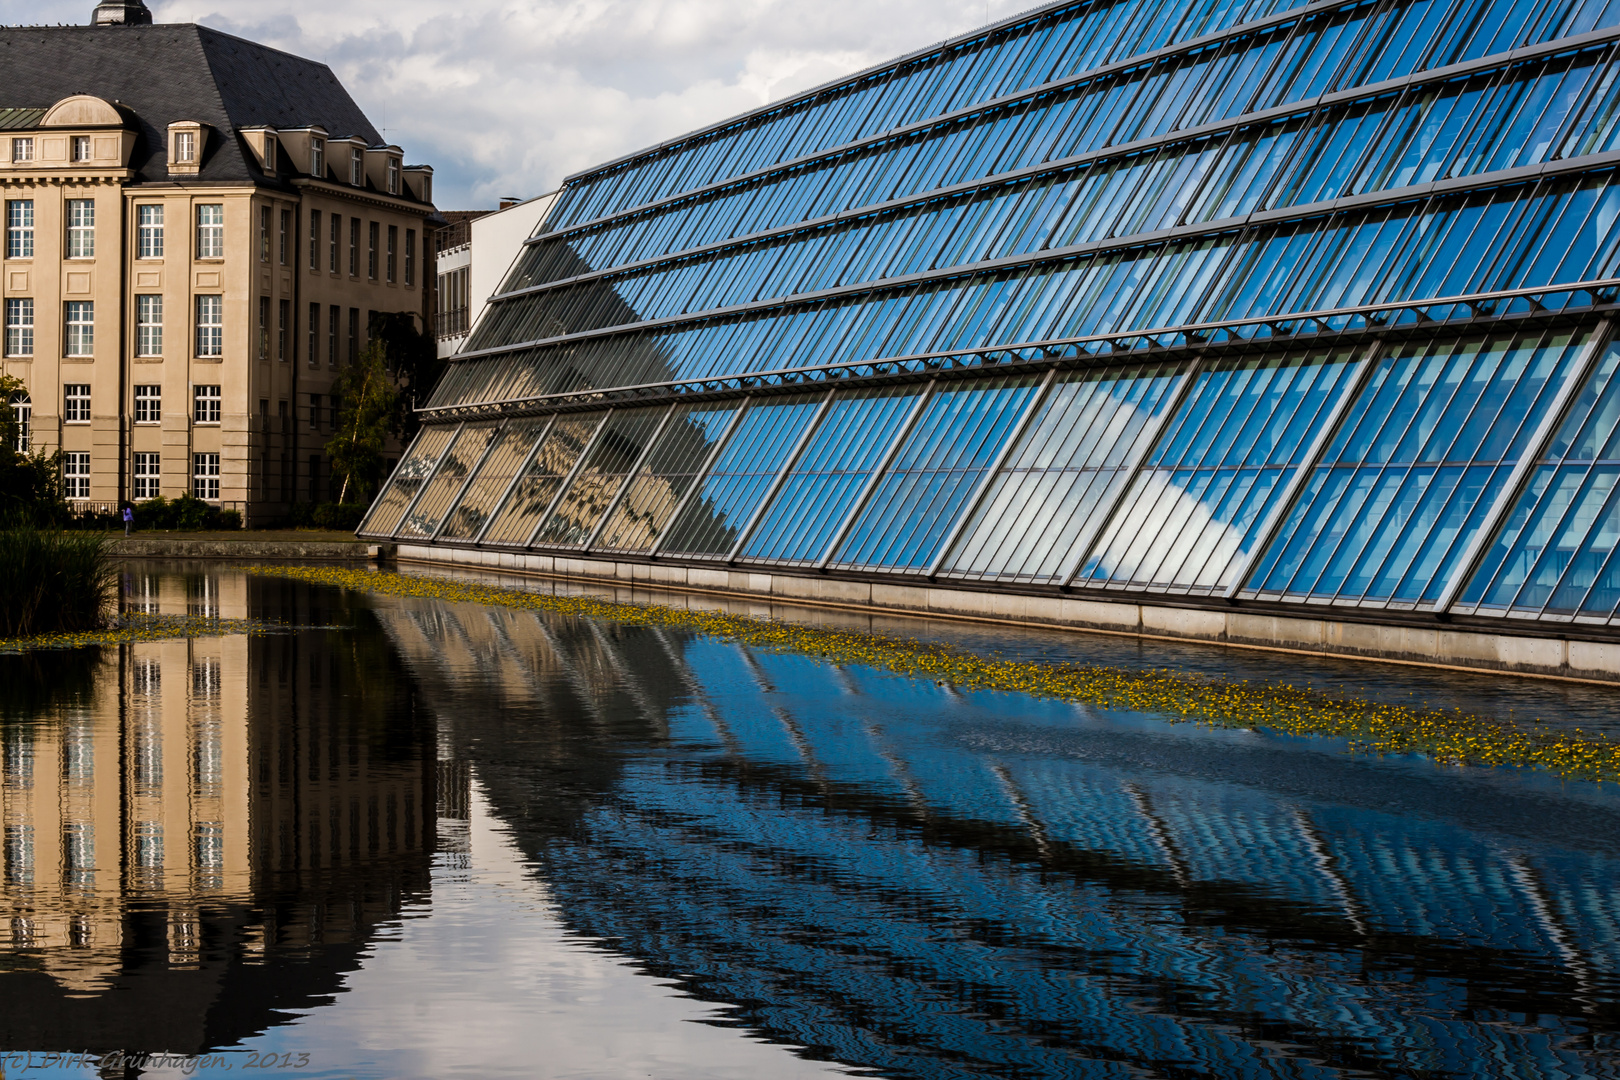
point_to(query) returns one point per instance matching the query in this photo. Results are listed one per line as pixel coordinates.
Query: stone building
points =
(198, 230)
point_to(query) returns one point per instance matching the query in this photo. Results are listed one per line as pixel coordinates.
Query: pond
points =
(400, 837)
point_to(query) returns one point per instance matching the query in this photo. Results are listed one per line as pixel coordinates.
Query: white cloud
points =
(506, 97)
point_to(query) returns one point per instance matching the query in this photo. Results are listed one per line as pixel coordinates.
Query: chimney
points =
(508, 201)
(121, 13)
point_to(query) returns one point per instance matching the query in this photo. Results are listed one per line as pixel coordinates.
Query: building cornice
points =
(359, 195)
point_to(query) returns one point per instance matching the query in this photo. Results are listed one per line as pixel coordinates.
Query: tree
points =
(413, 360)
(30, 483)
(367, 413)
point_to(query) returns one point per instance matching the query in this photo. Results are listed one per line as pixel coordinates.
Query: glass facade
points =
(1257, 303)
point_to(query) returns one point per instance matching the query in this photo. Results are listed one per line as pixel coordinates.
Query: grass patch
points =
(54, 581)
(1447, 737)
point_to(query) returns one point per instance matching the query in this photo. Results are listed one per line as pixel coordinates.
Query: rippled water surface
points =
(409, 838)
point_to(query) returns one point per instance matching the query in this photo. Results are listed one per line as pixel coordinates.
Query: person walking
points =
(129, 518)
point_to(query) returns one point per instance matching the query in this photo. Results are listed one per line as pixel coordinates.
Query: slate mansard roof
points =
(166, 73)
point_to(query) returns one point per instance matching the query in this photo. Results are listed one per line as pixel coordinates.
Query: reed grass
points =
(53, 581)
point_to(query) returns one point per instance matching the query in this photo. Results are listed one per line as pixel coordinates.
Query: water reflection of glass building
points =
(1257, 303)
(910, 880)
(200, 832)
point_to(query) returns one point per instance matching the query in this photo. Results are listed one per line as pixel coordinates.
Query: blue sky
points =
(506, 97)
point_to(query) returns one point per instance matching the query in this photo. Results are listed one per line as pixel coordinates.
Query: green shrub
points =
(55, 581)
(187, 514)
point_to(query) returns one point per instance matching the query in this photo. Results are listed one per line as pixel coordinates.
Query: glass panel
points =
(1555, 553)
(1192, 516)
(542, 475)
(830, 475)
(413, 471)
(1402, 489)
(612, 456)
(713, 519)
(919, 498)
(511, 448)
(458, 462)
(668, 473)
(1067, 467)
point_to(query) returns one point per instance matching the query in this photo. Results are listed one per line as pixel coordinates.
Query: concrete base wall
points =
(1432, 646)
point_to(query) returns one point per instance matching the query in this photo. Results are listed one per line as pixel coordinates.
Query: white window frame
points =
(210, 230)
(149, 324)
(79, 328)
(357, 167)
(149, 230)
(205, 477)
(317, 158)
(314, 239)
(23, 409)
(19, 228)
(81, 148)
(20, 326)
(205, 401)
(81, 233)
(22, 150)
(76, 403)
(210, 325)
(393, 176)
(148, 473)
(185, 147)
(148, 403)
(76, 474)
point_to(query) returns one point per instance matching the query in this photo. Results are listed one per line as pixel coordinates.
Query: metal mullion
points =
(568, 480)
(1307, 467)
(629, 478)
(1148, 439)
(698, 476)
(517, 475)
(881, 467)
(792, 459)
(427, 480)
(1533, 451)
(472, 474)
(972, 506)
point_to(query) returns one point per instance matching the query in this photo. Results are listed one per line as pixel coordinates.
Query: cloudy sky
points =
(506, 97)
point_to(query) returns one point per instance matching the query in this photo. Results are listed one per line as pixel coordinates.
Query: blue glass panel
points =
(540, 478)
(1192, 516)
(834, 469)
(741, 476)
(1068, 466)
(1405, 485)
(937, 469)
(1555, 552)
(413, 471)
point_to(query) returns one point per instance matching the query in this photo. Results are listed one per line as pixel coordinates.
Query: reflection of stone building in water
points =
(213, 811)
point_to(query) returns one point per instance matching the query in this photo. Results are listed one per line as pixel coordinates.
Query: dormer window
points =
(22, 150)
(357, 167)
(81, 148)
(185, 148)
(270, 153)
(317, 158)
(393, 176)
